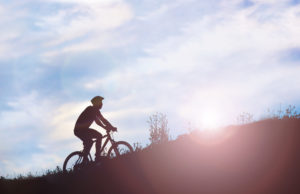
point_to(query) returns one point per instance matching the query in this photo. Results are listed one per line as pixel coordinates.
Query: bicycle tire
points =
(77, 154)
(115, 149)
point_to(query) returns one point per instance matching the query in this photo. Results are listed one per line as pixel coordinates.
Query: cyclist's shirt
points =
(87, 117)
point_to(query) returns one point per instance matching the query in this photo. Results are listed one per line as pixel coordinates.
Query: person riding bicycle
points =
(82, 127)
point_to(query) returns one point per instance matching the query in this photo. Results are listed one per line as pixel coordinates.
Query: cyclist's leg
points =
(87, 145)
(92, 133)
(87, 142)
(86, 135)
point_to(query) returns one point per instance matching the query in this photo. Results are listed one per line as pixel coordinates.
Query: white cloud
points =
(63, 120)
(161, 11)
(30, 127)
(271, 1)
(10, 33)
(74, 26)
(87, 2)
(91, 21)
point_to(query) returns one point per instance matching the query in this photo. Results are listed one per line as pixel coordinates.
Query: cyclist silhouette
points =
(82, 127)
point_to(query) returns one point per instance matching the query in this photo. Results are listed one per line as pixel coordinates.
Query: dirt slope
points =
(261, 157)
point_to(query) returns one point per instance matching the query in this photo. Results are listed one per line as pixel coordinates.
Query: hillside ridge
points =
(260, 157)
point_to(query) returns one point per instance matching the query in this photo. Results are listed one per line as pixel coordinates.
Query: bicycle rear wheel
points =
(119, 148)
(74, 162)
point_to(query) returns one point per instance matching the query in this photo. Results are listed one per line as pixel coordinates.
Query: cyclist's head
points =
(97, 101)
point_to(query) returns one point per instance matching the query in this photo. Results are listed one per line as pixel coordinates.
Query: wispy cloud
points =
(73, 26)
(29, 133)
(84, 25)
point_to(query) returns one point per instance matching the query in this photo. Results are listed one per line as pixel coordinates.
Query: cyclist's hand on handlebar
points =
(111, 128)
(114, 129)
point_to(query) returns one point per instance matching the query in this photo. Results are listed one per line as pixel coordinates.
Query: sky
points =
(201, 63)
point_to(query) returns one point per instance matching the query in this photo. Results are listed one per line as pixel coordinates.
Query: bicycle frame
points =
(108, 138)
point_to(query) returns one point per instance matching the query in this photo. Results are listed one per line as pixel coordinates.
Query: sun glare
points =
(204, 115)
(210, 120)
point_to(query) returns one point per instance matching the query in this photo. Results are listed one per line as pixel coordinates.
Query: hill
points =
(261, 157)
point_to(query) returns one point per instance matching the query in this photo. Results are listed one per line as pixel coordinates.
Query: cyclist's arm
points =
(99, 123)
(103, 122)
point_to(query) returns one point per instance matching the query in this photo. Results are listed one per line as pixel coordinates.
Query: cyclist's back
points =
(86, 118)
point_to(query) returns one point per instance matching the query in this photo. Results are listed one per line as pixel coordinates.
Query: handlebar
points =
(111, 128)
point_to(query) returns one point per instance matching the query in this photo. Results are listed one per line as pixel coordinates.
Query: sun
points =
(204, 116)
(210, 120)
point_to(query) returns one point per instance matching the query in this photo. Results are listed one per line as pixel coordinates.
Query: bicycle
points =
(77, 160)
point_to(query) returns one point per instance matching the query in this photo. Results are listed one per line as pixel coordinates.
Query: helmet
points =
(97, 100)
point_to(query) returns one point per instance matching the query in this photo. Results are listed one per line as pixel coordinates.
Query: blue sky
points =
(192, 60)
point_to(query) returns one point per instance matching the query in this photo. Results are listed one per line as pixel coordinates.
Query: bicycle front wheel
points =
(74, 162)
(119, 148)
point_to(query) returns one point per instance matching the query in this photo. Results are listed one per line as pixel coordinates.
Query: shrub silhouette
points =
(245, 118)
(158, 128)
(289, 112)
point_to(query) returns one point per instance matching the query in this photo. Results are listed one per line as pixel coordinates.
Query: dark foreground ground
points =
(261, 157)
